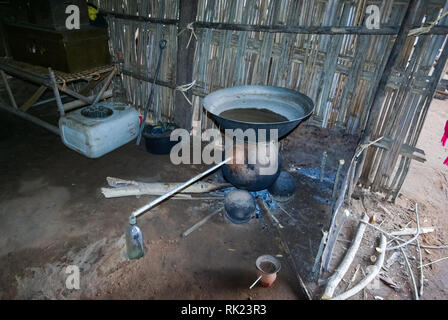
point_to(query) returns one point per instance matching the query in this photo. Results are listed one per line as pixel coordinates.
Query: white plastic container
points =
(96, 136)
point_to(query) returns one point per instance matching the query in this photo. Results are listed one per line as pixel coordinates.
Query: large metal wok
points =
(291, 104)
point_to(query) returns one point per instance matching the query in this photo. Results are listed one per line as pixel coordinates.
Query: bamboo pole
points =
(385, 30)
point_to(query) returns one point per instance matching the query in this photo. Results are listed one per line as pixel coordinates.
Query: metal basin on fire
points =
(259, 107)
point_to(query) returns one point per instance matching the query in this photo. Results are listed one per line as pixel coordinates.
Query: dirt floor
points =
(53, 215)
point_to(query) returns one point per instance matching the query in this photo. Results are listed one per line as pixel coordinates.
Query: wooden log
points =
(157, 189)
(348, 258)
(370, 276)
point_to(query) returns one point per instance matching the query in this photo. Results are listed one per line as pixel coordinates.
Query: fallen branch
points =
(422, 277)
(345, 264)
(444, 246)
(411, 274)
(412, 231)
(430, 263)
(370, 276)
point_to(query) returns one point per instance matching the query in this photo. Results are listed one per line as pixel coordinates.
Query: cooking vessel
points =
(288, 103)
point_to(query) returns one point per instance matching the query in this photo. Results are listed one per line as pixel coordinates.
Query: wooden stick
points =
(430, 263)
(412, 231)
(200, 223)
(334, 239)
(318, 259)
(348, 258)
(323, 162)
(411, 274)
(336, 179)
(370, 276)
(422, 277)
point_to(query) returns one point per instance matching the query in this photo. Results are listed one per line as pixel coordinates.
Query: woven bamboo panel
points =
(134, 45)
(339, 72)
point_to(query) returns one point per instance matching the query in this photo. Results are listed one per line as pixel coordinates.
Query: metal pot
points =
(248, 170)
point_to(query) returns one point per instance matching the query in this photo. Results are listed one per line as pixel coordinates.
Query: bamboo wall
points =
(339, 72)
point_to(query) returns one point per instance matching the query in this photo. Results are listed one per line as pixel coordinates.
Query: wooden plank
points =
(183, 111)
